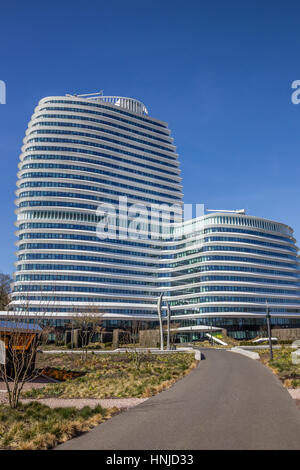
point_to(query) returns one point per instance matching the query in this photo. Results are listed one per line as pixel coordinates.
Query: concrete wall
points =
(286, 333)
(121, 337)
(149, 338)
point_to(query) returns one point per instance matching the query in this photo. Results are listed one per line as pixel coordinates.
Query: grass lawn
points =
(282, 366)
(36, 426)
(114, 376)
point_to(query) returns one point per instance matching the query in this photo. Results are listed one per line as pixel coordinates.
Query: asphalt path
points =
(228, 402)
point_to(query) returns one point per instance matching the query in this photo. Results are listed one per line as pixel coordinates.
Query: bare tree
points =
(5, 290)
(136, 356)
(59, 332)
(87, 322)
(47, 330)
(20, 336)
(20, 339)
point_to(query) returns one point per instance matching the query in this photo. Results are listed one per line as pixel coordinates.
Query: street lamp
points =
(268, 317)
(168, 323)
(160, 321)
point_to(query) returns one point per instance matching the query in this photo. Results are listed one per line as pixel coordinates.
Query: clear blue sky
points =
(219, 72)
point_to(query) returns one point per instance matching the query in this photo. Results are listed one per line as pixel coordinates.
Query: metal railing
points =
(130, 104)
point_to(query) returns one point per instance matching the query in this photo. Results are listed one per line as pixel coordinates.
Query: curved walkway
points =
(228, 402)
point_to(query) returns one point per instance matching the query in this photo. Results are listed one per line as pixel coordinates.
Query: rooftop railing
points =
(130, 104)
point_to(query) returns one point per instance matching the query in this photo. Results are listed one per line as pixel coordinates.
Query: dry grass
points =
(36, 426)
(282, 366)
(115, 376)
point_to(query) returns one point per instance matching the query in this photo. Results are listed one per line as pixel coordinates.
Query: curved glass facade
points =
(230, 266)
(78, 153)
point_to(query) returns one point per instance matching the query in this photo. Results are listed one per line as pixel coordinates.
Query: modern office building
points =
(229, 268)
(81, 152)
(84, 156)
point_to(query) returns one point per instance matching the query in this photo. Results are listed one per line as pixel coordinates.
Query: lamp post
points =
(160, 321)
(268, 317)
(168, 325)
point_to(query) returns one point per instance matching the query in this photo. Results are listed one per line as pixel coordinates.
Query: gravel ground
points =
(122, 403)
(295, 393)
(38, 382)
